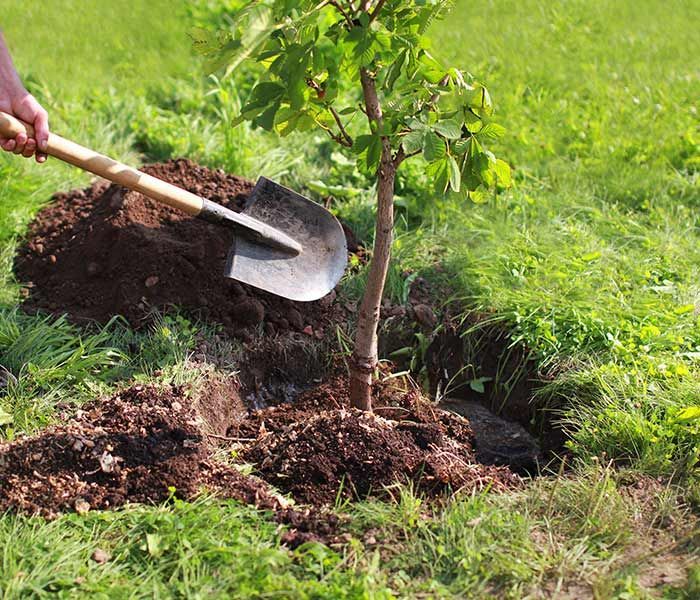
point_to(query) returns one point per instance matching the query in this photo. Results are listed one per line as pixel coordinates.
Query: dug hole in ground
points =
(105, 251)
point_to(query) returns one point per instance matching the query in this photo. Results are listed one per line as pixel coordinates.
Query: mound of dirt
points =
(318, 448)
(144, 444)
(137, 446)
(104, 250)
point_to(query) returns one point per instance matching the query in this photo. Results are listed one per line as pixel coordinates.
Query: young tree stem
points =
(364, 360)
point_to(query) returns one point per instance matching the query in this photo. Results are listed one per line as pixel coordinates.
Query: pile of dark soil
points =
(104, 250)
(136, 446)
(319, 448)
(144, 444)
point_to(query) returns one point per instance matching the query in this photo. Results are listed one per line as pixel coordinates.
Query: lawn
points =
(590, 262)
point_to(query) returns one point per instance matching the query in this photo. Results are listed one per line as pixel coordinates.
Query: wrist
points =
(12, 86)
(10, 82)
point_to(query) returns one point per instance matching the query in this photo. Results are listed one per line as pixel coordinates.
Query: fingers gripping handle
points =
(101, 165)
(10, 127)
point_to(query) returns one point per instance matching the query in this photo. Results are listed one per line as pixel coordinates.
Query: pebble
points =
(100, 556)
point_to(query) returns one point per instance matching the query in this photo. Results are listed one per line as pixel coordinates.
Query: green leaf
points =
(394, 71)
(256, 23)
(374, 153)
(439, 172)
(461, 146)
(153, 545)
(449, 128)
(591, 256)
(455, 175)
(5, 417)
(362, 142)
(205, 41)
(479, 196)
(502, 169)
(297, 93)
(412, 141)
(472, 122)
(492, 131)
(433, 147)
(268, 91)
(477, 385)
(683, 309)
(267, 119)
(689, 413)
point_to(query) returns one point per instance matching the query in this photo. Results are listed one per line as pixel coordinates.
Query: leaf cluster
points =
(313, 54)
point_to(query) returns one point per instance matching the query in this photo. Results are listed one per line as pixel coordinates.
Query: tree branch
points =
(343, 131)
(335, 137)
(402, 156)
(375, 13)
(342, 11)
(344, 138)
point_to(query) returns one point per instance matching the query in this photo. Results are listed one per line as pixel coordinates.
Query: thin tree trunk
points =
(364, 359)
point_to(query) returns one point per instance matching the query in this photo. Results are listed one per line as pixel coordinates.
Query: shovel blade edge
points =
(309, 275)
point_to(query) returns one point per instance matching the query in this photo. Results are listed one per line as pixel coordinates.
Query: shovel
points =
(285, 243)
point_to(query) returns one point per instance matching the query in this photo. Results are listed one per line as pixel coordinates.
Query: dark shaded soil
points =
(104, 250)
(145, 444)
(498, 441)
(319, 449)
(138, 446)
(467, 350)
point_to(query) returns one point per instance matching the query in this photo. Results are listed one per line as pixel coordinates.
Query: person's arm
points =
(17, 101)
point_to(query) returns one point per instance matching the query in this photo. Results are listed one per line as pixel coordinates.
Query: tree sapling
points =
(336, 64)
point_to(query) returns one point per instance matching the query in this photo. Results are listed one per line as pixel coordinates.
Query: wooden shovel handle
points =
(106, 167)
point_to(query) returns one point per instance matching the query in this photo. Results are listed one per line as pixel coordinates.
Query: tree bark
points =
(364, 358)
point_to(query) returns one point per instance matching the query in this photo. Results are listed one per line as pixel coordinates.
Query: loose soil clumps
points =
(141, 445)
(319, 449)
(105, 251)
(145, 444)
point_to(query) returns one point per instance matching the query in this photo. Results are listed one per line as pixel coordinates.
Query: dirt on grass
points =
(145, 444)
(104, 251)
(319, 449)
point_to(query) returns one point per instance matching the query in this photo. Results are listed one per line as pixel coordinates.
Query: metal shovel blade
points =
(306, 276)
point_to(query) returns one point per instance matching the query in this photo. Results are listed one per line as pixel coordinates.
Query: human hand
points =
(18, 102)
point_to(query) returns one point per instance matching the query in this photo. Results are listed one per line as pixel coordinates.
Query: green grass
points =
(565, 535)
(593, 255)
(590, 261)
(200, 550)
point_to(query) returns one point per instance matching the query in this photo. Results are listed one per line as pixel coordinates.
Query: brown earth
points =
(104, 250)
(140, 445)
(318, 448)
(144, 444)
